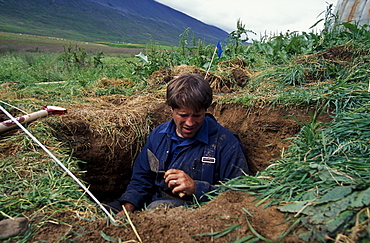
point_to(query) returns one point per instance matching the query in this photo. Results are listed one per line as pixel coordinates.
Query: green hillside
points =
(86, 20)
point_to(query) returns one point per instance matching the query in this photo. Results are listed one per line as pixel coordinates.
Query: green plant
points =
(322, 178)
(77, 57)
(238, 37)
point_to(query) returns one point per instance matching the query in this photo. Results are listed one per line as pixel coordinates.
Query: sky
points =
(261, 16)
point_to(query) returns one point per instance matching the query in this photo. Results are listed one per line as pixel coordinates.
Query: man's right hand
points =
(179, 182)
(129, 208)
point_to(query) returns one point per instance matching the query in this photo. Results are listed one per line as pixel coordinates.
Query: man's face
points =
(188, 121)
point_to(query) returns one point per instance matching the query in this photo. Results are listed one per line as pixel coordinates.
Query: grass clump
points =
(34, 185)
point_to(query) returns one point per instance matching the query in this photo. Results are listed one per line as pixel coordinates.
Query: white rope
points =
(59, 163)
(13, 107)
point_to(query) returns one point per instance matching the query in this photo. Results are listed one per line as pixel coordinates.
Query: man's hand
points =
(129, 208)
(179, 182)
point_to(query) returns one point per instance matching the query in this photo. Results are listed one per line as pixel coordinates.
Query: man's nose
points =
(190, 121)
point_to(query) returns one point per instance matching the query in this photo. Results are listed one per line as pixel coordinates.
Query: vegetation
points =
(323, 178)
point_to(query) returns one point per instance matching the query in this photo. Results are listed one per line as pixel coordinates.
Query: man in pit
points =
(192, 149)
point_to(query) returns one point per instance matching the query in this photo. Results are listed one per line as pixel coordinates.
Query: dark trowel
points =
(154, 162)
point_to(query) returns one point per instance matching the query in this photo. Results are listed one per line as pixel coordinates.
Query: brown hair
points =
(189, 91)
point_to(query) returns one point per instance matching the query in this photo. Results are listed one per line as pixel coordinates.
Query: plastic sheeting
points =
(354, 11)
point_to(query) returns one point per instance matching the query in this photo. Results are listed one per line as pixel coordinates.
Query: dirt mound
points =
(164, 76)
(232, 210)
(240, 76)
(343, 53)
(238, 70)
(107, 82)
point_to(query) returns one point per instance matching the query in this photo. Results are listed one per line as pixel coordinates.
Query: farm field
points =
(30, 43)
(298, 101)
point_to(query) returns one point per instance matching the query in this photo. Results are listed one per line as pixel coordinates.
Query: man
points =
(193, 149)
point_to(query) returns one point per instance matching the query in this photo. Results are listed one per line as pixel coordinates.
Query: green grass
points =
(32, 182)
(123, 45)
(32, 43)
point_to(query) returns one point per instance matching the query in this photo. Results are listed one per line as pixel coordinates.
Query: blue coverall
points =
(221, 150)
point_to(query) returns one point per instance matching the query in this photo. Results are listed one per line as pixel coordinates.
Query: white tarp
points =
(354, 11)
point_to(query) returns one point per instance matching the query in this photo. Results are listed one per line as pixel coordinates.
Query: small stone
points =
(13, 227)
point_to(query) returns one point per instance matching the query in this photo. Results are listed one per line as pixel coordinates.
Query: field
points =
(29, 43)
(298, 101)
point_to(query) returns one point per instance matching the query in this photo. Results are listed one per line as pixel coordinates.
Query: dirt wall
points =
(108, 154)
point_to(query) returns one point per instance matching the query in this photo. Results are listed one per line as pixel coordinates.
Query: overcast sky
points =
(260, 16)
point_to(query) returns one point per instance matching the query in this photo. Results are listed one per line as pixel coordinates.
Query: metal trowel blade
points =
(153, 162)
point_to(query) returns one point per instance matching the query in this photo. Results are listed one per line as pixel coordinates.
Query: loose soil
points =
(179, 224)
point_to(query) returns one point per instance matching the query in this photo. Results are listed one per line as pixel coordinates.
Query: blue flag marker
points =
(219, 53)
(219, 49)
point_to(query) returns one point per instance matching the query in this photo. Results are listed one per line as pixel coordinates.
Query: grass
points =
(32, 182)
(322, 161)
(12, 42)
(123, 45)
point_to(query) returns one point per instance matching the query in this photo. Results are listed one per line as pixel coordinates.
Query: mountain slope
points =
(102, 20)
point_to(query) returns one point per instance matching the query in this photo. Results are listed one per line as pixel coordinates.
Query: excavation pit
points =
(107, 136)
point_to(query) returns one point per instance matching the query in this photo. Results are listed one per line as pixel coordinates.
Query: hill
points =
(121, 21)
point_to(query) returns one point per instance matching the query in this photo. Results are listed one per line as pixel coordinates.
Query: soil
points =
(181, 225)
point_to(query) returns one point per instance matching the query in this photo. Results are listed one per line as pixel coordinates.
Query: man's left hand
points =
(179, 182)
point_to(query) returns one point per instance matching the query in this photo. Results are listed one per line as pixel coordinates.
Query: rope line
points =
(59, 163)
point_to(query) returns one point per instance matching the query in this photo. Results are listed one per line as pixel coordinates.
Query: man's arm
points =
(142, 184)
(140, 188)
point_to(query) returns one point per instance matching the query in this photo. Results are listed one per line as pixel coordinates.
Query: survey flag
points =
(219, 49)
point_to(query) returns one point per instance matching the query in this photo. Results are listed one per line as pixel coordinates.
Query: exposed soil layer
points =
(109, 154)
(109, 158)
